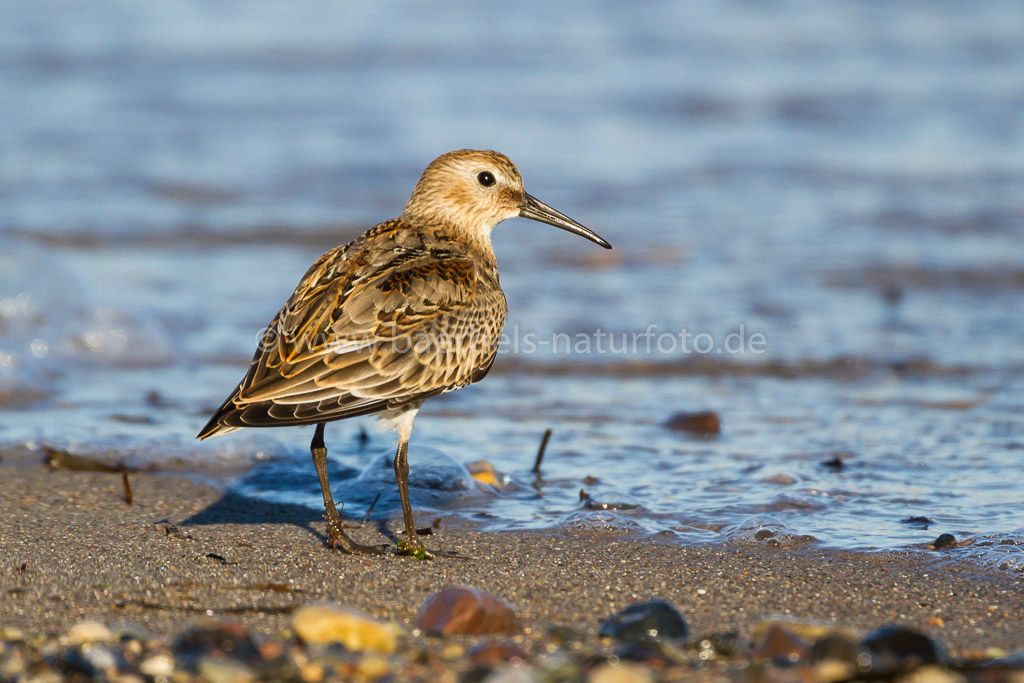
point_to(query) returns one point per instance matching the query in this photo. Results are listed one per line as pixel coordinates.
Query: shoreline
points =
(184, 551)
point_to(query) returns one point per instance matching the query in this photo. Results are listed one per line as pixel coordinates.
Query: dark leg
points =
(337, 538)
(410, 544)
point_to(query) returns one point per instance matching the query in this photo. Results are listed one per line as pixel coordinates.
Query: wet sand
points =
(72, 550)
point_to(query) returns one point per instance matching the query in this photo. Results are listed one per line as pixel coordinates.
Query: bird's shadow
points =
(365, 496)
(235, 507)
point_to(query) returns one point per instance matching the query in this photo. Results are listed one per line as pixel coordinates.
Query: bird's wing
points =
(357, 337)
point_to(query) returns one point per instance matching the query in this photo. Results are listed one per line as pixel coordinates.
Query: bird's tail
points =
(214, 428)
(217, 424)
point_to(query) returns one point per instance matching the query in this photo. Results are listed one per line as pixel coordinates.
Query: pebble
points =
(226, 639)
(620, 672)
(101, 657)
(219, 670)
(653, 621)
(833, 671)
(933, 674)
(512, 674)
(490, 654)
(88, 632)
(157, 666)
(703, 423)
(459, 610)
(324, 624)
(12, 633)
(898, 648)
(70, 663)
(373, 668)
(781, 646)
(484, 472)
(835, 463)
(834, 647)
(452, 652)
(312, 672)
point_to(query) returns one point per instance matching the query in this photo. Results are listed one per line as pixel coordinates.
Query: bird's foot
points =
(413, 548)
(337, 539)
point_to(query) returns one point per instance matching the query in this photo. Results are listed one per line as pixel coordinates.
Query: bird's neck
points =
(443, 234)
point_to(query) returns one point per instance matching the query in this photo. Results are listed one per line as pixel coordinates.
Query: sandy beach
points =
(74, 550)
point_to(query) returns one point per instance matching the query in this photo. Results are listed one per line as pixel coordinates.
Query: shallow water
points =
(844, 181)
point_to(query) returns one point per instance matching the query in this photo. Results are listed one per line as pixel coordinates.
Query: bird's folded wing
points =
(346, 343)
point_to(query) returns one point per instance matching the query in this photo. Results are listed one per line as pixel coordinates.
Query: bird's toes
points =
(407, 548)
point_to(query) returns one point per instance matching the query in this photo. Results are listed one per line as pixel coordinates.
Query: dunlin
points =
(409, 310)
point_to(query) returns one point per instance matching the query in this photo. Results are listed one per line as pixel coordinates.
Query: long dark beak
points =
(536, 210)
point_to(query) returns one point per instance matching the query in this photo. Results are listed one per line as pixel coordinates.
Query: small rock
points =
(650, 652)
(312, 672)
(834, 647)
(781, 646)
(133, 632)
(484, 472)
(157, 666)
(70, 663)
(127, 678)
(515, 673)
(780, 480)
(620, 672)
(944, 541)
(833, 671)
(559, 668)
(373, 667)
(458, 610)
(653, 621)
(835, 463)
(324, 624)
(228, 640)
(491, 654)
(12, 634)
(703, 423)
(918, 522)
(452, 652)
(220, 670)
(808, 630)
(281, 667)
(898, 648)
(101, 657)
(88, 632)
(934, 674)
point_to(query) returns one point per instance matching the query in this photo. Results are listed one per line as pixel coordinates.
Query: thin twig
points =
(366, 517)
(369, 510)
(128, 497)
(540, 451)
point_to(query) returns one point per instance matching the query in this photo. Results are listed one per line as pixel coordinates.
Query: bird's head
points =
(474, 190)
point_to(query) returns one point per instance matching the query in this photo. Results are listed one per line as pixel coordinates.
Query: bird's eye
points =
(485, 178)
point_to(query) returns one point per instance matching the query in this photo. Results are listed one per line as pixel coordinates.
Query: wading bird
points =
(409, 310)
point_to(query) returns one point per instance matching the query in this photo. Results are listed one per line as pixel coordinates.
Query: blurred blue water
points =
(847, 180)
